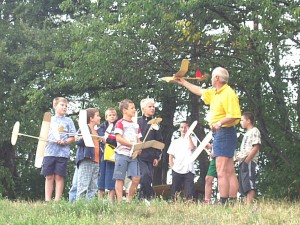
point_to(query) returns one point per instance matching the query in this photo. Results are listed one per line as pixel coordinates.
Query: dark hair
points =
(249, 116)
(184, 121)
(125, 104)
(90, 112)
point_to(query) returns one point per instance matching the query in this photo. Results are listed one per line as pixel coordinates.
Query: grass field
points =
(158, 212)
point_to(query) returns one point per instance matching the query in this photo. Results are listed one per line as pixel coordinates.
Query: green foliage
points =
(6, 184)
(99, 53)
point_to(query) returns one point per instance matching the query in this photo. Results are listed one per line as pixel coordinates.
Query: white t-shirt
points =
(252, 137)
(181, 152)
(130, 131)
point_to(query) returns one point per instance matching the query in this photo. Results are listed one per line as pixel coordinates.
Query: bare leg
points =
(111, 195)
(49, 187)
(208, 188)
(222, 164)
(59, 186)
(135, 182)
(119, 190)
(233, 181)
(101, 194)
(250, 197)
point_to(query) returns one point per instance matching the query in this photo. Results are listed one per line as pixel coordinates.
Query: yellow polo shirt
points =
(224, 103)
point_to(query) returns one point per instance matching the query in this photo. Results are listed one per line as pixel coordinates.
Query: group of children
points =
(94, 174)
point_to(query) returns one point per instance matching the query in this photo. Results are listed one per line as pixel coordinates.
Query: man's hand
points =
(180, 80)
(217, 126)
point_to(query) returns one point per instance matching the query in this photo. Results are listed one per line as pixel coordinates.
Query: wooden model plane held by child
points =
(84, 128)
(183, 70)
(148, 144)
(202, 145)
(43, 138)
(40, 150)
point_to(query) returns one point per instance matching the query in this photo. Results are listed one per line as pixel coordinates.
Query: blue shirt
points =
(61, 128)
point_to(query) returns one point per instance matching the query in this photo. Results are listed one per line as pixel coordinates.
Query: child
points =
(73, 189)
(248, 156)
(148, 159)
(182, 173)
(87, 159)
(127, 134)
(57, 153)
(210, 176)
(105, 180)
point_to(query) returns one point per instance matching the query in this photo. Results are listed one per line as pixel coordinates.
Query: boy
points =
(88, 158)
(105, 180)
(182, 173)
(127, 134)
(57, 153)
(149, 158)
(210, 176)
(248, 156)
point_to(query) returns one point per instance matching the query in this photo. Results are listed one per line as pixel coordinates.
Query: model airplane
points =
(43, 137)
(183, 70)
(202, 145)
(148, 144)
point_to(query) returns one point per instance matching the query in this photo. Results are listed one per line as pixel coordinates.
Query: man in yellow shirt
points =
(225, 113)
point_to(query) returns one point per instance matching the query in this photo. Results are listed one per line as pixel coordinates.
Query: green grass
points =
(159, 212)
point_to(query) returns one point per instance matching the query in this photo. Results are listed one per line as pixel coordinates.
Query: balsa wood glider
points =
(40, 150)
(145, 145)
(182, 71)
(191, 131)
(202, 145)
(200, 148)
(87, 138)
(148, 144)
(43, 138)
(15, 133)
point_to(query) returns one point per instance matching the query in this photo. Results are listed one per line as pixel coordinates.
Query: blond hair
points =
(146, 101)
(59, 99)
(109, 110)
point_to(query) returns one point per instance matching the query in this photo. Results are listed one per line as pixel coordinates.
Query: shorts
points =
(105, 180)
(212, 169)
(225, 142)
(247, 177)
(54, 165)
(124, 164)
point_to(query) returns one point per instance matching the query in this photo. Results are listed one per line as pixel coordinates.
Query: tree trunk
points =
(167, 129)
(7, 155)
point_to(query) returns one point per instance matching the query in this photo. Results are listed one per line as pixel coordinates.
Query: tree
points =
(100, 53)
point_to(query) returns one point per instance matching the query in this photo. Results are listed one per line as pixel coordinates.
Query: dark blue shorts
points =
(247, 177)
(54, 165)
(225, 142)
(105, 180)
